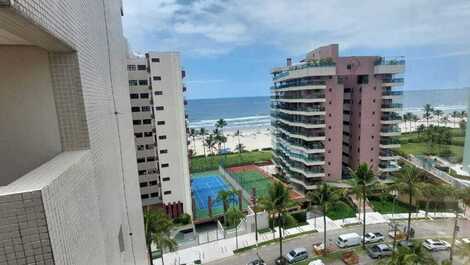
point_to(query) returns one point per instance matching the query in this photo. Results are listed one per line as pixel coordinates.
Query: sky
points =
(228, 47)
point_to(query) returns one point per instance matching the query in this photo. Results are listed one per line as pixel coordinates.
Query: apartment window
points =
(135, 109)
(136, 122)
(140, 147)
(159, 108)
(145, 108)
(160, 122)
(166, 179)
(164, 151)
(363, 79)
(142, 172)
(144, 95)
(329, 102)
(144, 196)
(148, 134)
(153, 183)
(150, 159)
(349, 66)
(165, 165)
(373, 112)
(140, 160)
(149, 146)
(155, 60)
(132, 82)
(131, 67)
(157, 78)
(143, 82)
(154, 194)
(141, 67)
(158, 93)
(134, 96)
(143, 184)
(138, 135)
(168, 192)
(153, 171)
(161, 137)
(147, 121)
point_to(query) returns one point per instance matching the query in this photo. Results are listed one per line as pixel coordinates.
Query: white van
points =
(348, 240)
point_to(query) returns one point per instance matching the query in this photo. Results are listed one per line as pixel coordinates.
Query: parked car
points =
(296, 255)
(373, 238)
(466, 240)
(379, 251)
(256, 262)
(316, 262)
(436, 245)
(348, 240)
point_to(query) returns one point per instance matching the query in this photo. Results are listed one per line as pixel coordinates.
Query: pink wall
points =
(334, 129)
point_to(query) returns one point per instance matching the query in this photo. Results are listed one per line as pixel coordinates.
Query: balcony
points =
(389, 166)
(306, 171)
(389, 94)
(299, 110)
(302, 134)
(390, 131)
(388, 155)
(389, 143)
(307, 159)
(299, 85)
(390, 119)
(300, 97)
(392, 107)
(316, 68)
(393, 82)
(394, 65)
(309, 122)
(310, 148)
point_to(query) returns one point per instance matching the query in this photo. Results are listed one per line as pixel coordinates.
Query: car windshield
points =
(292, 253)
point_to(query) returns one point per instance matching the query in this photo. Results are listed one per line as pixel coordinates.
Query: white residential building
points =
(68, 181)
(158, 109)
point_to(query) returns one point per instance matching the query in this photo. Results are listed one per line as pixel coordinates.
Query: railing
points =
(300, 96)
(390, 129)
(311, 64)
(389, 142)
(311, 146)
(393, 80)
(302, 168)
(392, 106)
(386, 153)
(303, 109)
(304, 157)
(298, 118)
(299, 83)
(391, 118)
(391, 61)
(304, 133)
(392, 93)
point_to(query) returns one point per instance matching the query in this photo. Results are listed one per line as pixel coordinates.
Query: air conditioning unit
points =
(5, 3)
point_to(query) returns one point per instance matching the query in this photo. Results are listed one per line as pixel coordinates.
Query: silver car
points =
(379, 251)
(296, 255)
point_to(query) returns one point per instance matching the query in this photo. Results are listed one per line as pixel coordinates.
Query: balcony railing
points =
(393, 80)
(392, 106)
(392, 93)
(390, 129)
(300, 96)
(298, 108)
(391, 61)
(391, 117)
(300, 144)
(309, 158)
(311, 64)
(299, 83)
(389, 141)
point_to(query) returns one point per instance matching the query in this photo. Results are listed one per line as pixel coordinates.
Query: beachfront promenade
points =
(217, 250)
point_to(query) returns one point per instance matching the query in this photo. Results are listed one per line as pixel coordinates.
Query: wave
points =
(444, 108)
(239, 122)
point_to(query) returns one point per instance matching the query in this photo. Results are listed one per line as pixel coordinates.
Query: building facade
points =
(158, 111)
(68, 186)
(330, 113)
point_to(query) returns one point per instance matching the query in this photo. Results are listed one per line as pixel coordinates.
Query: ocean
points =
(253, 112)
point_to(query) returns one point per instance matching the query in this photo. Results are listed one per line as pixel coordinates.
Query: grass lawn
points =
(385, 205)
(423, 148)
(202, 163)
(341, 211)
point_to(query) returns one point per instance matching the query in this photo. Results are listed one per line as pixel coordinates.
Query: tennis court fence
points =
(234, 183)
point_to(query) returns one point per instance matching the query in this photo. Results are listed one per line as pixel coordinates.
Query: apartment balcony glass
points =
(386, 154)
(299, 144)
(388, 166)
(298, 83)
(308, 159)
(389, 142)
(299, 108)
(293, 96)
(298, 120)
(310, 64)
(295, 166)
(390, 118)
(392, 93)
(294, 131)
(399, 60)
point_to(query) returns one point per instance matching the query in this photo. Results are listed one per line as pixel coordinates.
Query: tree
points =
(220, 124)
(455, 114)
(157, 227)
(210, 142)
(457, 195)
(327, 198)
(421, 128)
(428, 111)
(277, 202)
(234, 216)
(202, 132)
(363, 179)
(224, 196)
(414, 118)
(240, 148)
(406, 117)
(438, 113)
(409, 181)
(410, 256)
(193, 134)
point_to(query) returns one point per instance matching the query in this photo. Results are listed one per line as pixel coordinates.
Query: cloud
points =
(211, 27)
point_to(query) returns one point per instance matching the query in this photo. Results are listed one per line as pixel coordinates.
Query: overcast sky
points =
(228, 47)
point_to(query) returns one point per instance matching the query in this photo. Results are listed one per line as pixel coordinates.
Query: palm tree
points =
(240, 148)
(224, 196)
(277, 202)
(202, 132)
(234, 216)
(237, 133)
(326, 197)
(428, 111)
(438, 113)
(455, 114)
(193, 134)
(210, 142)
(363, 179)
(221, 123)
(410, 256)
(157, 227)
(414, 118)
(408, 117)
(409, 181)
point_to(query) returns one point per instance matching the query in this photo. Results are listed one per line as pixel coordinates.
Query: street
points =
(424, 229)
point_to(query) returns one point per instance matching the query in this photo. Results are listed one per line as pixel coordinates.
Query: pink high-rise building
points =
(331, 113)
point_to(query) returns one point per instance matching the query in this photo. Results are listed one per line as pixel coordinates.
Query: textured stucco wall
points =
(334, 95)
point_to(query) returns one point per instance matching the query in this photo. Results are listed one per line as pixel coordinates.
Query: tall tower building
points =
(68, 181)
(330, 113)
(158, 111)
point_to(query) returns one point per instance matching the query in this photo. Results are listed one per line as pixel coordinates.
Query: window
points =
(160, 122)
(141, 67)
(142, 172)
(363, 79)
(166, 179)
(161, 137)
(140, 160)
(140, 147)
(150, 159)
(165, 165)
(157, 78)
(138, 135)
(133, 96)
(147, 121)
(131, 67)
(144, 196)
(132, 82)
(145, 108)
(164, 151)
(149, 146)
(143, 184)
(159, 108)
(143, 82)
(158, 93)
(154, 194)
(148, 134)
(135, 109)
(152, 171)
(349, 66)
(153, 183)
(168, 192)
(121, 240)
(136, 122)
(144, 95)
(155, 60)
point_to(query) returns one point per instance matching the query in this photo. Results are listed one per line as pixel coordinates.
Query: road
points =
(423, 228)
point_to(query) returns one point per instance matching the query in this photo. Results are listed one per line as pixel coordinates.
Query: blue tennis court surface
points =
(205, 186)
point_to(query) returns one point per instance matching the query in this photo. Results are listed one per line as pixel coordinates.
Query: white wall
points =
(29, 130)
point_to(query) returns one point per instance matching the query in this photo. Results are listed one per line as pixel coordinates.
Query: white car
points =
(316, 262)
(466, 240)
(373, 238)
(436, 245)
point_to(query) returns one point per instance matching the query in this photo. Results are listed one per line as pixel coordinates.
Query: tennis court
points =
(253, 179)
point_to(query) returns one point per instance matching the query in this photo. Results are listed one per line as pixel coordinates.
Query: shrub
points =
(183, 219)
(300, 216)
